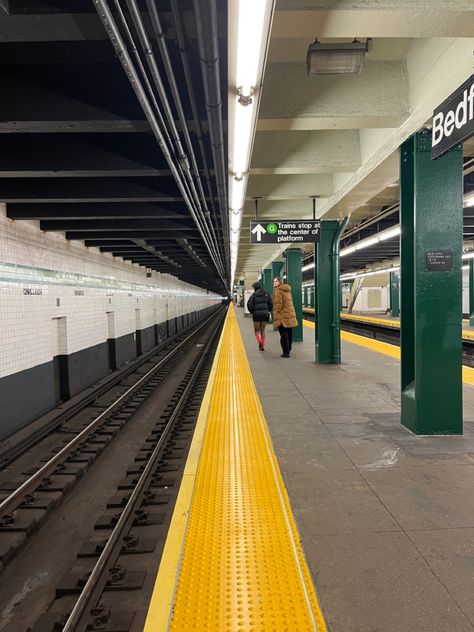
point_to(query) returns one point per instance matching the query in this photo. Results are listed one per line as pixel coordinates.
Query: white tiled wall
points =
(44, 277)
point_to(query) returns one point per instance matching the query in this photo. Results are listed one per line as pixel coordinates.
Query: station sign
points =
(453, 120)
(285, 231)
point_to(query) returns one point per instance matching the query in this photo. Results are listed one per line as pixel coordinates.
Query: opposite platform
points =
(241, 567)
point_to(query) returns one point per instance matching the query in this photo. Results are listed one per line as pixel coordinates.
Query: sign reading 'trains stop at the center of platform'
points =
(284, 231)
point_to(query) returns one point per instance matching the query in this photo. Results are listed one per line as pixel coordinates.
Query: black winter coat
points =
(260, 305)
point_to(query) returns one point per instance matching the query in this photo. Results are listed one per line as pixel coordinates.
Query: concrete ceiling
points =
(337, 136)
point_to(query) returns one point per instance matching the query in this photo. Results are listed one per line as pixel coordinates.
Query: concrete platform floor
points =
(386, 518)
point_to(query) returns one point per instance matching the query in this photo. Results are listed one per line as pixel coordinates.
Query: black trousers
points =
(286, 337)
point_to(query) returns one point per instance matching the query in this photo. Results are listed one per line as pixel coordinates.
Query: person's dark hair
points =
(257, 285)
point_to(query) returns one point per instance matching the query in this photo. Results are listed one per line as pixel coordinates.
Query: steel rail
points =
(13, 447)
(11, 502)
(127, 515)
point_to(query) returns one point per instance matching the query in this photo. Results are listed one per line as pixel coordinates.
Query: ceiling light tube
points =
(248, 36)
(308, 266)
(365, 243)
(390, 233)
(237, 193)
(469, 200)
(251, 26)
(468, 255)
(243, 127)
(235, 221)
(354, 275)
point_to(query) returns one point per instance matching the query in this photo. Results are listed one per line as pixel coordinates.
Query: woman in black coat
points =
(260, 305)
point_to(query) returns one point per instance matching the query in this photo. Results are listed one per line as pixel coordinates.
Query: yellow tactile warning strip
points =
(242, 566)
(385, 322)
(388, 349)
(163, 593)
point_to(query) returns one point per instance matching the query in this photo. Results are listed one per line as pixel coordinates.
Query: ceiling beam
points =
(117, 225)
(69, 98)
(390, 19)
(81, 155)
(188, 248)
(69, 190)
(156, 253)
(305, 152)
(379, 98)
(117, 235)
(119, 210)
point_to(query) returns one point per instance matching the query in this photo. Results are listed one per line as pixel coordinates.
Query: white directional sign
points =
(284, 231)
(258, 230)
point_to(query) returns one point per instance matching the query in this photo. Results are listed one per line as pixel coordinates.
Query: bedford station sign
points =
(453, 120)
(284, 231)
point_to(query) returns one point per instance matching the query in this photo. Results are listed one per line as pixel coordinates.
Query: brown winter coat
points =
(283, 310)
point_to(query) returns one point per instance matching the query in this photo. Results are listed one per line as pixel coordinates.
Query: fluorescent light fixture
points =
(249, 26)
(354, 275)
(347, 251)
(365, 243)
(336, 58)
(237, 193)
(308, 266)
(243, 126)
(469, 200)
(390, 233)
(235, 221)
(468, 255)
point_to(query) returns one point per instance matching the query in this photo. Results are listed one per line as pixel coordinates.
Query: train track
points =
(391, 335)
(21, 441)
(110, 584)
(46, 474)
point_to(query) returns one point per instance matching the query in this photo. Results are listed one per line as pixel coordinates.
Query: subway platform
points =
(367, 529)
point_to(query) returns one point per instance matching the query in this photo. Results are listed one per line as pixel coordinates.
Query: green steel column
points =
(326, 292)
(276, 268)
(294, 279)
(471, 292)
(394, 295)
(267, 280)
(431, 301)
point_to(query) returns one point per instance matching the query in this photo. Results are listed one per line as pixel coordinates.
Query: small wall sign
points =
(439, 260)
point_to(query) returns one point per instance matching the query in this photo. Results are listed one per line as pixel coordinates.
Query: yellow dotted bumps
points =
(242, 567)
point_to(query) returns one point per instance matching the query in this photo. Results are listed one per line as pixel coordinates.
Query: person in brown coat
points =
(284, 316)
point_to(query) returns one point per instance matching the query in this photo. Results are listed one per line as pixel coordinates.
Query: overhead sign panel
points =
(453, 120)
(284, 231)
